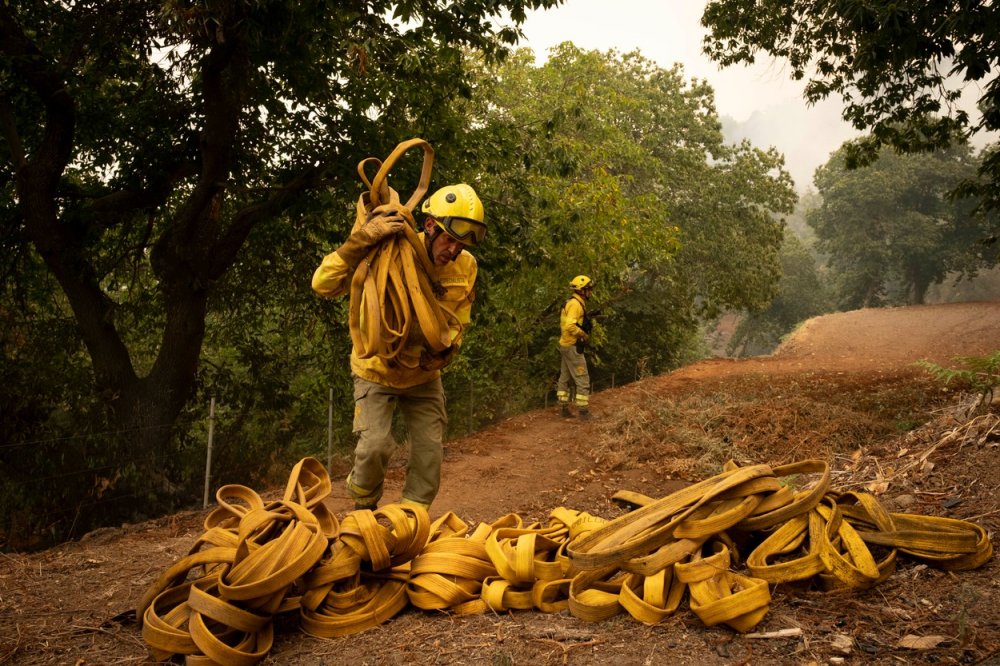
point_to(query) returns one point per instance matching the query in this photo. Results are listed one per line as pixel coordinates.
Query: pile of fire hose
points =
(257, 560)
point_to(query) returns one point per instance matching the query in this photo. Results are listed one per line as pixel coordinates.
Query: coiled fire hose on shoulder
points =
(259, 559)
(393, 291)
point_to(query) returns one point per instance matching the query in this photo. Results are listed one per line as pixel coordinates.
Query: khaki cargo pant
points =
(423, 410)
(573, 367)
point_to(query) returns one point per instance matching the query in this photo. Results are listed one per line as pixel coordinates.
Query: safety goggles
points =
(462, 228)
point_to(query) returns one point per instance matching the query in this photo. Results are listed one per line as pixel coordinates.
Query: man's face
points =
(444, 248)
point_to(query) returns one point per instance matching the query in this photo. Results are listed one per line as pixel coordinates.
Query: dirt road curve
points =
(898, 335)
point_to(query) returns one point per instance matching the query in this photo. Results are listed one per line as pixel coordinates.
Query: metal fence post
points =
(208, 454)
(471, 405)
(329, 432)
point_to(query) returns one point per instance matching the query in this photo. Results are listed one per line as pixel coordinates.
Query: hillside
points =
(843, 388)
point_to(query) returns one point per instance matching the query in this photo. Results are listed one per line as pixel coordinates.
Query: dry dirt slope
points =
(842, 389)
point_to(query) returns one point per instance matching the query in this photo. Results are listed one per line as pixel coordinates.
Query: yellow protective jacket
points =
(571, 319)
(458, 277)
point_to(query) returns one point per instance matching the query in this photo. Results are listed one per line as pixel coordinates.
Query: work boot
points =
(564, 412)
(361, 507)
(584, 414)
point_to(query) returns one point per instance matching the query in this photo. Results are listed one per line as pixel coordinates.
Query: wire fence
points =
(96, 484)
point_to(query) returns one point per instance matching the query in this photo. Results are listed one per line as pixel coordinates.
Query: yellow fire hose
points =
(392, 296)
(257, 560)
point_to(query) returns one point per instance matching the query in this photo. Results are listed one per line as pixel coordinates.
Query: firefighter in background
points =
(574, 333)
(453, 218)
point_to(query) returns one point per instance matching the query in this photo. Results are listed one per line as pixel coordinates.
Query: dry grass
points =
(753, 419)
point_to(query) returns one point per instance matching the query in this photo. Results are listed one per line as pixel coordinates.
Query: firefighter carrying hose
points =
(574, 333)
(453, 218)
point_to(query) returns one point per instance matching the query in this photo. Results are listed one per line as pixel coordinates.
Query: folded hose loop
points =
(341, 567)
(235, 501)
(379, 184)
(640, 532)
(864, 513)
(388, 540)
(165, 621)
(371, 199)
(650, 599)
(253, 560)
(447, 525)
(449, 572)
(377, 598)
(719, 595)
(551, 596)
(781, 558)
(393, 292)
(177, 573)
(594, 594)
(309, 484)
(500, 594)
(929, 538)
(387, 537)
(851, 562)
(525, 555)
(720, 518)
(801, 502)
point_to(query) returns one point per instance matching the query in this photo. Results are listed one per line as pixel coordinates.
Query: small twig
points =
(780, 633)
(96, 630)
(983, 515)
(566, 648)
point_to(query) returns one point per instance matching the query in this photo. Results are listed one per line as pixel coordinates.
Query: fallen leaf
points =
(878, 487)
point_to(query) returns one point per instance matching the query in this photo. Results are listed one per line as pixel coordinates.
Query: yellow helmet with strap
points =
(457, 210)
(580, 282)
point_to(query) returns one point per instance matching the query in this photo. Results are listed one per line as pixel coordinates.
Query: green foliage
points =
(899, 67)
(801, 294)
(890, 230)
(979, 373)
(622, 174)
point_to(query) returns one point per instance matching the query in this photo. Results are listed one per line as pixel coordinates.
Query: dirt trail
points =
(69, 604)
(511, 466)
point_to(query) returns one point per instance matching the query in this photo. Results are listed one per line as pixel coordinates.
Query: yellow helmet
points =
(580, 282)
(458, 211)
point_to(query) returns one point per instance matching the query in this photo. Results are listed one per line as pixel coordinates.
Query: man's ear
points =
(429, 225)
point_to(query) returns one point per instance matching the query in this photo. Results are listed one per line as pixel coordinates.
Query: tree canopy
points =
(145, 141)
(620, 172)
(891, 231)
(900, 67)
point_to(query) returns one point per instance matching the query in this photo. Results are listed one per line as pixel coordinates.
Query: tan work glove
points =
(435, 361)
(371, 233)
